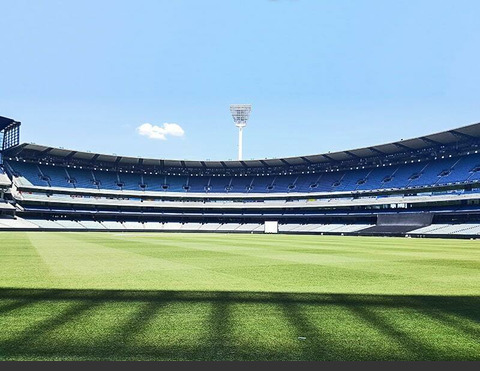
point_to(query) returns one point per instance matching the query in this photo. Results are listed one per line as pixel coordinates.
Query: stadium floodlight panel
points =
(240, 113)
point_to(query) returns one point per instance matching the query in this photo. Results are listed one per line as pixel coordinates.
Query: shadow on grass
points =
(185, 325)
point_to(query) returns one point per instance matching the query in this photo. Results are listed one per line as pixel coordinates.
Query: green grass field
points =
(146, 296)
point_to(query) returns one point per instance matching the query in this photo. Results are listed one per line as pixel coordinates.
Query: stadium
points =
(420, 187)
(124, 258)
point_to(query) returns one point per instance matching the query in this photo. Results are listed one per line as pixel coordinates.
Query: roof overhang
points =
(448, 137)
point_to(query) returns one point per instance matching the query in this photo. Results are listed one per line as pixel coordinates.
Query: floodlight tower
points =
(240, 114)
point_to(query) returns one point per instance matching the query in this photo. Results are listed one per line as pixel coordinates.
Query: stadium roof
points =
(444, 138)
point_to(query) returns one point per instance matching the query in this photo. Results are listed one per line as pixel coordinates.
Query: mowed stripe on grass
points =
(233, 262)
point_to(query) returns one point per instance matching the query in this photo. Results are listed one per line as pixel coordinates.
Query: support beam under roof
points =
(402, 146)
(462, 135)
(430, 141)
(45, 151)
(70, 155)
(351, 154)
(373, 149)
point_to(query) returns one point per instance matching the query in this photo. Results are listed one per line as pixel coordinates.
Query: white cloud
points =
(160, 132)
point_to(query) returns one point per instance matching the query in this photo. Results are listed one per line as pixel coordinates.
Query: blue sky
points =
(320, 75)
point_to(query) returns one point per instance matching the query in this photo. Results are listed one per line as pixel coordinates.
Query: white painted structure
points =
(240, 114)
(271, 226)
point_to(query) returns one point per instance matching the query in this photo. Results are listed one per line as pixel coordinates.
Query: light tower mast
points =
(240, 114)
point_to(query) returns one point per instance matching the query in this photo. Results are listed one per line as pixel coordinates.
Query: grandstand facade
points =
(426, 186)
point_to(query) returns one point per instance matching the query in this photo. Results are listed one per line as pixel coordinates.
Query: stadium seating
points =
(69, 224)
(378, 178)
(431, 173)
(472, 229)
(17, 223)
(81, 178)
(402, 174)
(458, 229)
(4, 179)
(408, 175)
